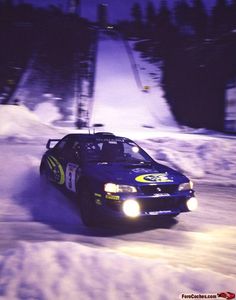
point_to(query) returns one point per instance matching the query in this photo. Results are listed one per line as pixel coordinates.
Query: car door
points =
(72, 166)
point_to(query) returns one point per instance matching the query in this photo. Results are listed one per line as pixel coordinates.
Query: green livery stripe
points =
(55, 163)
(52, 160)
(50, 163)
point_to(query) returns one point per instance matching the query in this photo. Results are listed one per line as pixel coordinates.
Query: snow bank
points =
(47, 112)
(202, 158)
(18, 122)
(67, 270)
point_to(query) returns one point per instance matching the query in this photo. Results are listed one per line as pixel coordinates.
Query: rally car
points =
(112, 176)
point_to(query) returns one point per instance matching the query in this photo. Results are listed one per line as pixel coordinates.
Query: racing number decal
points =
(71, 176)
(157, 177)
(57, 170)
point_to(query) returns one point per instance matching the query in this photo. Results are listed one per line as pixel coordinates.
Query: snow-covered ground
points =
(73, 271)
(46, 252)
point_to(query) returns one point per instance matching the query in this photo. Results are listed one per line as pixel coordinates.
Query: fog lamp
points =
(131, 208)
(192, 204)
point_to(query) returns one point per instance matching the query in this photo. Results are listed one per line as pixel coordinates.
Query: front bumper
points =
(172, 204)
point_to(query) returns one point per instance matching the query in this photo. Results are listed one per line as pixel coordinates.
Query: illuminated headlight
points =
(192, 204)
(186, 186)
(117, 188)
(131, 208)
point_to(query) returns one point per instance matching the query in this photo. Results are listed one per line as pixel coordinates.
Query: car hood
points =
(123, 173)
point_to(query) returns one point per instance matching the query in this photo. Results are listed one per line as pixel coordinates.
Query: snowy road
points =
(204, 239)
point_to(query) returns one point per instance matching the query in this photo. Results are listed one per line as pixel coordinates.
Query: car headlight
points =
(185, 186)
(119, 188)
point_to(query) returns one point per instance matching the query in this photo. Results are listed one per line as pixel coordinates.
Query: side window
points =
(64, 147)
(61, 145)
(92, 150)
(76, 151)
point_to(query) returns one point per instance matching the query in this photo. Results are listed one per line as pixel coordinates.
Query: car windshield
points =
(114, 151)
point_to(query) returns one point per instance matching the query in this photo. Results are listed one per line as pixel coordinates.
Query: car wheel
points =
(43, 176)
(87, 209)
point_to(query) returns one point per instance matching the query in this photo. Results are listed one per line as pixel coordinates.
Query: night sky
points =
(117, 9)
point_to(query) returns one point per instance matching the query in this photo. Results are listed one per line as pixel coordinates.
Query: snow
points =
(99, 267)
(18, 122)
(202, 158)
(47, 112)
(73, 271)
(139, 109)
(46, 253)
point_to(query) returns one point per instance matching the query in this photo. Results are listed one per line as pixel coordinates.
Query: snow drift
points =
(68, 270)
(18, 122)
(202, 158)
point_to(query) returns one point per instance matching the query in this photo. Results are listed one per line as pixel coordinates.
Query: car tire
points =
(87, 206)
(43, 176)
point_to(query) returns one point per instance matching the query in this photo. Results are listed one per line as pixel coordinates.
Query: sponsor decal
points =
(71, 170)
(98, 201)
(139, 170)
(110, 140)
(112, 197)
(155, 177)
(57, 169)
(97, 195)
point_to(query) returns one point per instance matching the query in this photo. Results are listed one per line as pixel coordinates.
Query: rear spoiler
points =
(53, 142)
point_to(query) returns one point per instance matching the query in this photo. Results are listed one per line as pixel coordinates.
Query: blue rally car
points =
(112, 176)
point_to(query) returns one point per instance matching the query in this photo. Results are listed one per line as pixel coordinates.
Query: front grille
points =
(155, 189)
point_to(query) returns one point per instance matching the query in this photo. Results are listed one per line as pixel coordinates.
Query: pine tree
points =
(232, 10)
(220, 17)
(150, 14)
(165, 31)
(199, 19)
(136, 13)
(150, 20)
(182, 13)
(163, 18)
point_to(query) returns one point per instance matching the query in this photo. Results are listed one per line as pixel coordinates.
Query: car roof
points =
(98, 136)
